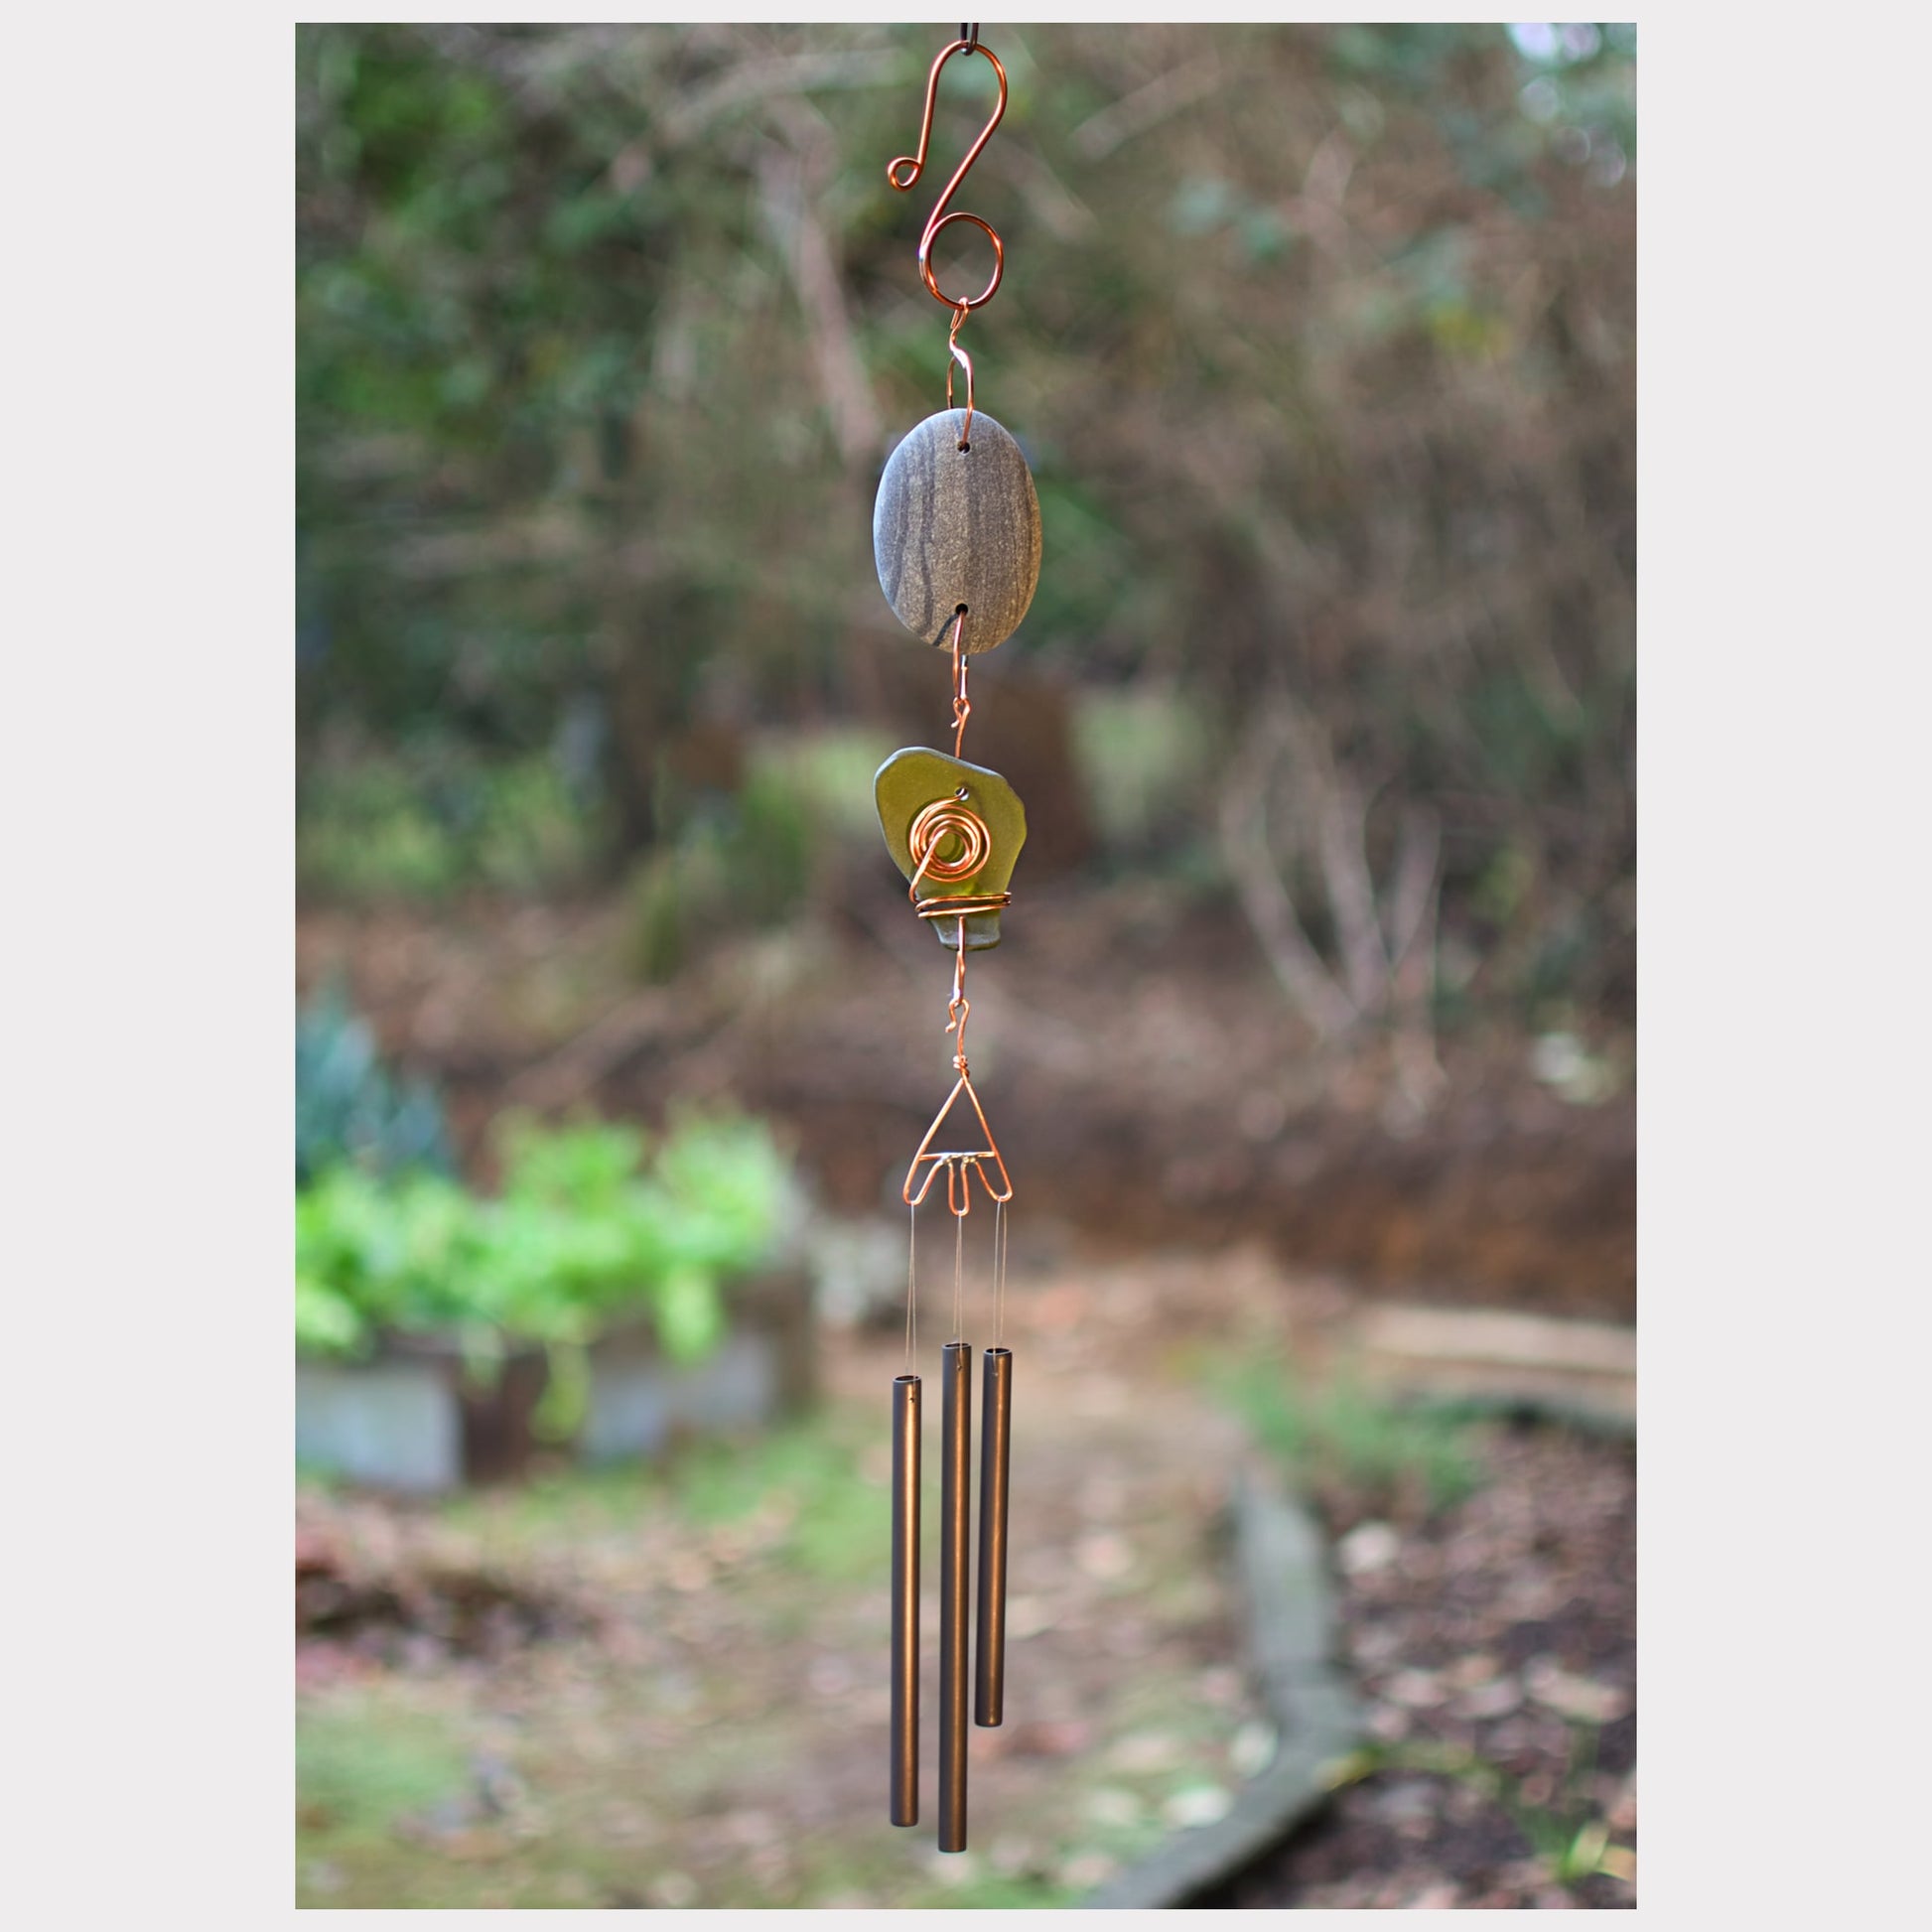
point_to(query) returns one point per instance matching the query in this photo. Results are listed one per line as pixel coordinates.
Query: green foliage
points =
(1351, 1446)
(1323, 358)
(738, 863)
(812, 1472)
(431, 820)
(585, 1232)
(829, 771)
(1144, 754)
(809, 1472)
(348, 1107)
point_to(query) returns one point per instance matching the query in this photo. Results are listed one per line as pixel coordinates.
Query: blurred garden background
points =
(1314, 1019)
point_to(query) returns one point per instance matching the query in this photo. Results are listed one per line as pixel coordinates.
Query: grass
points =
(1351, 1446)
(813, 1473)
(358, 1774)
(809, 1473)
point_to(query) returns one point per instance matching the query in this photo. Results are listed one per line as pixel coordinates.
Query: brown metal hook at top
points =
(939, 219)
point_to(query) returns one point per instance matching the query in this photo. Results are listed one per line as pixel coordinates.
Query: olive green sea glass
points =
(910, 780)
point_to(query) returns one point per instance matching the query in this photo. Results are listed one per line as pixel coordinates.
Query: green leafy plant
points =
(587, 1231)
(348, 1106)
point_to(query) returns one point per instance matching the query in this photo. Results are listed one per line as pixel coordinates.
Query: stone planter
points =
(412, 1421)
(640, 1404)
(393, 1425)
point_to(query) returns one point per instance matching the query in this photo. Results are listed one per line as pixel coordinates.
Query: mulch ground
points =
(1495, 1648)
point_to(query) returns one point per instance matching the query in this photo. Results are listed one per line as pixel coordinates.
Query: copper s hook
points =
(939, 219)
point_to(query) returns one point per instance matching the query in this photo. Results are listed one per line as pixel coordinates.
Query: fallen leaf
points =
(1028, 1616)
(1486, 1701)
(1146, 1750)
(1197, 1805)
(1086, 1869)
(1476, 1668)
(1418, 1689)
(1367, 1548)
(1579, 1697)
(1104, 1557)
(1110, 1805)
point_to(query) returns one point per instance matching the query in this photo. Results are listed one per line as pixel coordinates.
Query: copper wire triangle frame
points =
(960, 1164)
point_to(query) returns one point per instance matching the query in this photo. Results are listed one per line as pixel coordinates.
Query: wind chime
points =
(956, 536)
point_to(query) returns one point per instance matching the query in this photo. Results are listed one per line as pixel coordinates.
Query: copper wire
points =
(962, 906)
(962, 705)
(960, 1163)
(939, 219)
(942, 819)
(952, 817)
(965, 361)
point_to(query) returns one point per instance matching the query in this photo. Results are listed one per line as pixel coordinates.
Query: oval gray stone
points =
(953, 526)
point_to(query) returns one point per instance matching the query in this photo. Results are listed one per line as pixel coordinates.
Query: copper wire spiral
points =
(944, 818)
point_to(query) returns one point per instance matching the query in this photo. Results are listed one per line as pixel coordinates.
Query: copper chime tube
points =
(905, 1798)
(955, 1579)
(996, 1436)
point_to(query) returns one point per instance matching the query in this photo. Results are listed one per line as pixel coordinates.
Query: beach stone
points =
(953, 526)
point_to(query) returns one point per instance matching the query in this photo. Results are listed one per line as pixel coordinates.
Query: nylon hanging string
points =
(999, 1274)
(959, 1275)
(911, 1291)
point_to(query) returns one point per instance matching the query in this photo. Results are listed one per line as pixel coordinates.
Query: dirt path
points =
(717, 1739)
(668, 1688)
